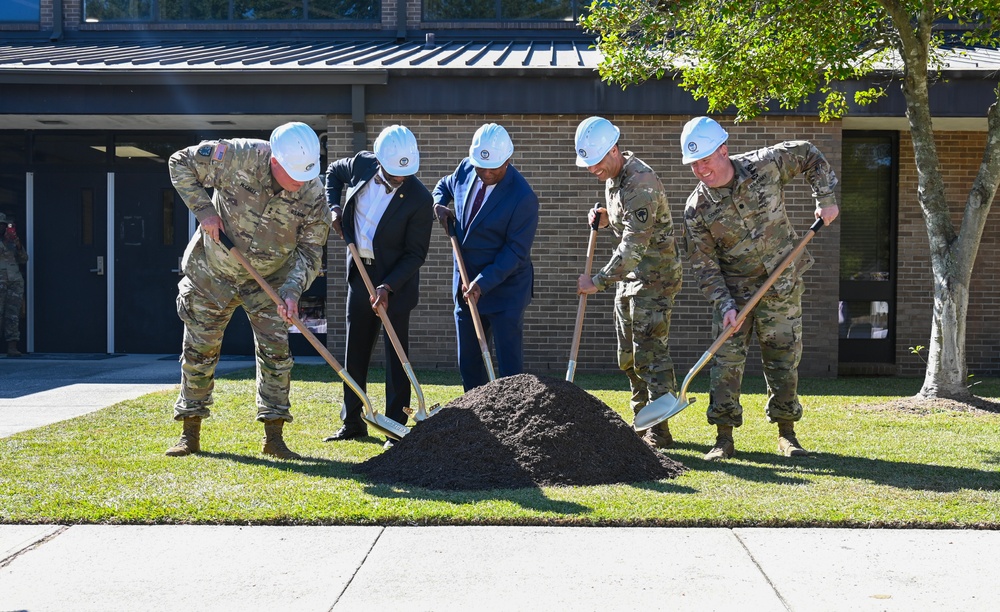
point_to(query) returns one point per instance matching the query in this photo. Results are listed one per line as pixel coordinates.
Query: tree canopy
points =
(753, 55)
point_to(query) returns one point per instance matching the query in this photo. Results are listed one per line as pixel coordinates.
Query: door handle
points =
(100, 266)
(178, 270)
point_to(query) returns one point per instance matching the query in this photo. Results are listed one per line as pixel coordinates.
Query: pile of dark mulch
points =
(518, 432)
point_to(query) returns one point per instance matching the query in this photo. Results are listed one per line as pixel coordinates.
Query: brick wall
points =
(544, 154)
(960, 153)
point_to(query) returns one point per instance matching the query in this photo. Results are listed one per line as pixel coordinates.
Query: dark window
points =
(866, 189)
(20, 11)
(13, 149)
(866, 309)
(230, 10)
(70, 149)
(502, 10)
(117, 10)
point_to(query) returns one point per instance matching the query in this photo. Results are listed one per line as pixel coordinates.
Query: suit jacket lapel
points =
(395, 205)
(499, 192)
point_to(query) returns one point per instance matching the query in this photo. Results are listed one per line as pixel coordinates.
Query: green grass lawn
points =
(870, 468)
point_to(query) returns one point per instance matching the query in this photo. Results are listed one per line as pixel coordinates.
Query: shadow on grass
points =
(530, 498)
(769, 468)
(309, 466)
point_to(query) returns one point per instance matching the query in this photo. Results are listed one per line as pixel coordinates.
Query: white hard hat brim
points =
(486, 165)
(690, 159)
(301, 177)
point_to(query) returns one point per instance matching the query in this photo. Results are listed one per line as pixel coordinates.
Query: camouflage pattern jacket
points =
(646, 260)
(11, 257)
(737, 235)
(282, 234)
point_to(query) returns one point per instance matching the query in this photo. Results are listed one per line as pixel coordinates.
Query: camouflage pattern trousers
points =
(777, 321)
(204, 325)
(643, 327)
(11, 301)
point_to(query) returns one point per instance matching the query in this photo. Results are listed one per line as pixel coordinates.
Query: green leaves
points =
(754, 56)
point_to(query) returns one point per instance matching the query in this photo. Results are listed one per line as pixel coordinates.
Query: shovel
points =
(382, 423)
(582, 308)
(449, 228)
(667, 405)
(422, 412)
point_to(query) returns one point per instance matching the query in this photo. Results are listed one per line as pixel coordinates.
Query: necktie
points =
(477, 203)
(388, 187)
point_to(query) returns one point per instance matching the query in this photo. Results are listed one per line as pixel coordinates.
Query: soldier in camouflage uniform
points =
(12, 256)
(268, 201)
(645, 266)
(737, 232)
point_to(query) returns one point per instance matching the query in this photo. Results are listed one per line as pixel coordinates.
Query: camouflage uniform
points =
(12, 256)
(281, 233)
(736, 236)
(647, 270)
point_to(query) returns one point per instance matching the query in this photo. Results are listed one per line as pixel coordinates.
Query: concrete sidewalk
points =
(171, 568)
(150, 568)
(55, 387)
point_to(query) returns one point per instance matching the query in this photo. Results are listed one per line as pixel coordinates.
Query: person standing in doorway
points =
(496, 216)
(737, 232)
(644, 267)
(12, 257)
(268, 200)
(387, 215)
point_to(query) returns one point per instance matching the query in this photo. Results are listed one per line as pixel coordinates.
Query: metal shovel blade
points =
(659, 410)
(385, 425)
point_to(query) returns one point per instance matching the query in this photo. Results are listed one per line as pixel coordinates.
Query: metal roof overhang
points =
(104, 77)
(316, 77)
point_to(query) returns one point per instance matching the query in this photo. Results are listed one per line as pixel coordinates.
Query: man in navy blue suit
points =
(496, 216)
(387, 214)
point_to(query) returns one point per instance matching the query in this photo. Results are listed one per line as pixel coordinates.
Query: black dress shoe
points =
(348, 432)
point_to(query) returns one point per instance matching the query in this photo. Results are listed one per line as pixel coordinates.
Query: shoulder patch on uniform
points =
(220, 151)
(205, 150)
(642, 215)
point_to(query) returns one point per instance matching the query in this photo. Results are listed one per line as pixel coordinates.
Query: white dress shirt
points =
(372, 203)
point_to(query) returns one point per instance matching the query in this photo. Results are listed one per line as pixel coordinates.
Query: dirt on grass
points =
(519, 432)
(925, 406)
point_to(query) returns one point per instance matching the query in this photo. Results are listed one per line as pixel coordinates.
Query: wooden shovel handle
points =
(449, 226)
(582, 308)
(271, 293)
(756, 297)
(393, 338)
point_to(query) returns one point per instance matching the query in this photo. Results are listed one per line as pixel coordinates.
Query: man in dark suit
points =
(387, 214)
(496, 215)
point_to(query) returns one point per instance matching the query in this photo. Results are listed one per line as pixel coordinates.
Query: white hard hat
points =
(396, 150)
(594, 138)
(700, 138)
(295, 146)
(491, 147)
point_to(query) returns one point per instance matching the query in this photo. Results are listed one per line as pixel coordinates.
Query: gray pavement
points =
(342, 568)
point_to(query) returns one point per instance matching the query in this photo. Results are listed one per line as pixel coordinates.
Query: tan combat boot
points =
(274, 444)
(12, 349)
(659, 436)
(788, 444)
(724, 447)
(190, 441)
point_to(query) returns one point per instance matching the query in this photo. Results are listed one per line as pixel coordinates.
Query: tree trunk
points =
(946, 367)
(953, 254)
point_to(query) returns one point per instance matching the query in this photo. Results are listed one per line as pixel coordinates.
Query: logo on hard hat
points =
(484, 154)
(309, 167)
(404, 162)
(582, 152)
(692, 146)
